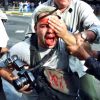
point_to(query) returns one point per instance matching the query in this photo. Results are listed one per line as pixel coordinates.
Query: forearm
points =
(69, 39)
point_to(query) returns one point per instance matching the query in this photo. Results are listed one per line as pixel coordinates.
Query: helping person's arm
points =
(92, 59)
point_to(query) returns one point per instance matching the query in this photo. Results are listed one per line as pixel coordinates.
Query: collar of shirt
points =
(70, 8)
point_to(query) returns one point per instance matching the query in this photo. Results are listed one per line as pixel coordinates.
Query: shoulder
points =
(21, 44)
(83, 6)
(20, 47)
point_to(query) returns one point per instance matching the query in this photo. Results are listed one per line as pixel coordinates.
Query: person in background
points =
(7, 92)
(3, 37)
(27, 6)
(3, 49)
(20, 6)
(32, 6)
(81, 20)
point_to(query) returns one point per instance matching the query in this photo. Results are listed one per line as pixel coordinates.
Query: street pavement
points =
(14, 11)
(19, 13)
(17, 27)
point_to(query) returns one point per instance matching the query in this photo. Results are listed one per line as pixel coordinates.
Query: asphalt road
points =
(17, 27)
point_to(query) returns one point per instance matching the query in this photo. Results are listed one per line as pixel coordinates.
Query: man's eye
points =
(43, 26)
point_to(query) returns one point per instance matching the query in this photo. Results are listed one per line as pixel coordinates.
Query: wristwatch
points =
(84, 35)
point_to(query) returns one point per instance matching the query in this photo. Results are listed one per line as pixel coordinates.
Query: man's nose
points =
(50, 30)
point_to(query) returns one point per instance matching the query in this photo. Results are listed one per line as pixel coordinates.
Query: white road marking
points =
(19, 31)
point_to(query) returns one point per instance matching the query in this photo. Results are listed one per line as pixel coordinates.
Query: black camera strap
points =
(44, 59)
(35, 60)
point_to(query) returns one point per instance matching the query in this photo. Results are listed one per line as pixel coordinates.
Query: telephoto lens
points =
(20, 82)
(25, 77)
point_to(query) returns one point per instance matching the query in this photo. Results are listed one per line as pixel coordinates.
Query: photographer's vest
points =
(55, 84)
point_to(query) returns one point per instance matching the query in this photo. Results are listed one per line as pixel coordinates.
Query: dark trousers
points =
(2, 94)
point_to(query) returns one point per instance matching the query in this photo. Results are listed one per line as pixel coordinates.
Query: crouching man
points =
(49, 44)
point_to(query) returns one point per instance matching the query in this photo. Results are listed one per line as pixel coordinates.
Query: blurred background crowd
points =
(29, 5)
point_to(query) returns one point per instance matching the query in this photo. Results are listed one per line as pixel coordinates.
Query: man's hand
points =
(25, 89)
(58, 26)
(79, 39)
(61, 30)
(79, 52)
(7, 74)
(3, 50)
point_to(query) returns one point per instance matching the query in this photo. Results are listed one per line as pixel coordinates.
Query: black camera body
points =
(25, 75)
(15, 62)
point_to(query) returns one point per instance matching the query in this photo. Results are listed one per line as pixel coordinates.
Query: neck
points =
(62, 7)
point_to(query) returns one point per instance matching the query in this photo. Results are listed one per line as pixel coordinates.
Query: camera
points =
(25, 75)
(14, 61)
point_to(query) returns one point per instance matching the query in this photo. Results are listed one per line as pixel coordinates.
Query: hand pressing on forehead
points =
(61, 31)
(58, 26)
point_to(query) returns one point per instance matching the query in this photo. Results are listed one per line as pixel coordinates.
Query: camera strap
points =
(44, 59)
(35, 60)
(34, 55)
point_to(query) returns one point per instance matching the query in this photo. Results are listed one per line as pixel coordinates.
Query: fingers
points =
(58, 26)
(12, 79)
(55, 23)
(73, 48)
(25, 89)
(4, 50)
(79, 39)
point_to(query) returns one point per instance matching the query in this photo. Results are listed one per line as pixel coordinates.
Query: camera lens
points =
(19, 83)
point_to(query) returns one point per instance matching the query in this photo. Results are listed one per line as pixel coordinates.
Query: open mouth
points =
(50, 39)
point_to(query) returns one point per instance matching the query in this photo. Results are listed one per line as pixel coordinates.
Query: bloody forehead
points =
(44, 20)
